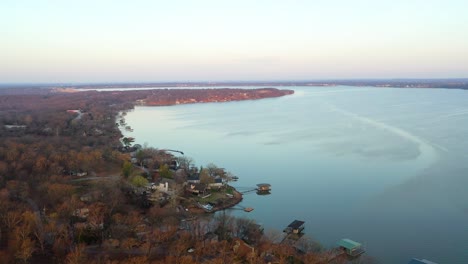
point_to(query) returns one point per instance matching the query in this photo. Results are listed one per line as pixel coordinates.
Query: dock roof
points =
(348, 243)
(296, 224)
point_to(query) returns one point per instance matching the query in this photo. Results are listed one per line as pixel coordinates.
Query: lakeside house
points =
(350, 247)
(194, 178)
(218, 183)
(197, 188)
(162, 186)
(77, 173)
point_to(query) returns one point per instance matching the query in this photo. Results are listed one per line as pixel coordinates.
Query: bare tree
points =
(25, 249)
(247, 230)
(185, 163)
(76, 255)
(308, 245)
(205, 177)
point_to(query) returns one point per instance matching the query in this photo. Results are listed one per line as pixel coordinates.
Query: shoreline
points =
(220, 95)
(235, 200)
(194, 96)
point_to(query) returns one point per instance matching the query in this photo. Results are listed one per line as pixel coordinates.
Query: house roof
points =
(348, 243)
(296, 224)
(194, 177)
(199, 186)
(420, 261)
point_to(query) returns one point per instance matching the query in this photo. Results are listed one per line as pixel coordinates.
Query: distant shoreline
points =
(394, 83)
(447, 83)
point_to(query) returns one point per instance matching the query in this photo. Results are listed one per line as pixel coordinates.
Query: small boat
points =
(248, 209)
(206, 207)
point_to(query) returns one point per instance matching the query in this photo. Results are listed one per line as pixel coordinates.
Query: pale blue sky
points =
(106, 41)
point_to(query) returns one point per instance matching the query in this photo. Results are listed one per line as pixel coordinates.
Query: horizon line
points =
(210, 82)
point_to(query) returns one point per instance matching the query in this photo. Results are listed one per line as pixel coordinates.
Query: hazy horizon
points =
(236, 82)
(159, 41)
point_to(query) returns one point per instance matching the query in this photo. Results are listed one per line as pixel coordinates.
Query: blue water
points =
(383, 166)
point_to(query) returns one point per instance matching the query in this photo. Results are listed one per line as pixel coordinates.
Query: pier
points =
(245, 209)
(261, 189)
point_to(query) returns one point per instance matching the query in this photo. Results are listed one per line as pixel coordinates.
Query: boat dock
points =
(263, 188)
(295, 227)
(293, 232)
(350, 247)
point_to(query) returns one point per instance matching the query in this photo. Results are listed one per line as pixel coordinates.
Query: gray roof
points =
(194, 177)
(296, 224)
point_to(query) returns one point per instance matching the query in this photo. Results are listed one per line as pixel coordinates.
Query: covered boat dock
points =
(350, 247)
(295, 227)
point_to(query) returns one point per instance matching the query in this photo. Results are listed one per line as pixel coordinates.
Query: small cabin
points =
(295, 227)
(350, 247)
(420, 261)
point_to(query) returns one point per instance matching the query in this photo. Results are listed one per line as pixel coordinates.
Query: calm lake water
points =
(383, 166)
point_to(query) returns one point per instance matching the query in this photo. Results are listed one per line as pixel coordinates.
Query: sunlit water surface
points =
(383, 166)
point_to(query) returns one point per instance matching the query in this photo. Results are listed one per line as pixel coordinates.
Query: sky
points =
(67, 41)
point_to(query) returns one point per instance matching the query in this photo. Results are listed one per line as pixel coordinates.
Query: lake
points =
(383, 166)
